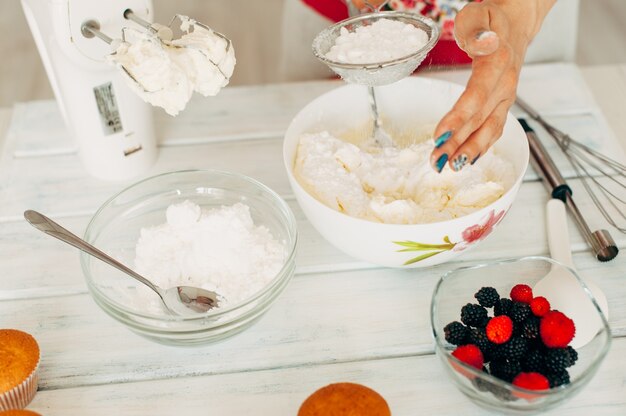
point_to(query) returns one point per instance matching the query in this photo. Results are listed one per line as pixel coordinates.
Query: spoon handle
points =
(558, 234)
(46, 225)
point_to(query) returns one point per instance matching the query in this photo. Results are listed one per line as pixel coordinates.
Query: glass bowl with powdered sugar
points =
(220, 231)
(377, 48)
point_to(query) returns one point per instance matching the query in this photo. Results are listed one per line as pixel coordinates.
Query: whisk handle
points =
(544, 164)
(600, 241)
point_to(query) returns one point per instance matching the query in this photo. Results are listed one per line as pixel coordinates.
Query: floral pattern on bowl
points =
(469, 236)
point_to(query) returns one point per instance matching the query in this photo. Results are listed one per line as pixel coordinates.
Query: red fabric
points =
(334, 10)
(446, 51)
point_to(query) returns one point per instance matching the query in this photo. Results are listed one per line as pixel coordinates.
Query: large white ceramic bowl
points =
(413, 104)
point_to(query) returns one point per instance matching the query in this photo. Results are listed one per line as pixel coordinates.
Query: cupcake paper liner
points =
(21, 395)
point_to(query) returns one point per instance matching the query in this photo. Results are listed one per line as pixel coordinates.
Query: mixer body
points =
(113, 128)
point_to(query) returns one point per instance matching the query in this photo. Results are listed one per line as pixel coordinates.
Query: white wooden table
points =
(338, 320)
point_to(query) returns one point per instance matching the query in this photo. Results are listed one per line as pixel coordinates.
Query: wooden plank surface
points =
(339, 319)
(321, 318)
(41, 171)
(55, 270)
(413, 385)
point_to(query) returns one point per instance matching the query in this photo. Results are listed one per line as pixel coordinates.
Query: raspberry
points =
(556, 329)
(503, 307)
(469, 354)
(487, 297)
(499, 329)
(504, 369)
(558, 379)
(521, 293)
(531, 381)
(455, 333)
(474, 315)
(539, 306)
(519, 311)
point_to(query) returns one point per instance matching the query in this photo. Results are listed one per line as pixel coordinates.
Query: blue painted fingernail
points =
(459, 162)
(441, 162)
(441, 140)
(475, 159)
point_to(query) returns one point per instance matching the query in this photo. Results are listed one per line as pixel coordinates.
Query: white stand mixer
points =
(112, 127)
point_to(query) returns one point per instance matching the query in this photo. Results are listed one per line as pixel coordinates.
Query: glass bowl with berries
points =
(506, 348)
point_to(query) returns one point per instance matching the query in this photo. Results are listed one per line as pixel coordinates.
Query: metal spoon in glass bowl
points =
(179, 300)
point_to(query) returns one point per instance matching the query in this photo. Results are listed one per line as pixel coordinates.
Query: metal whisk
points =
(379, 135)
(591, 167)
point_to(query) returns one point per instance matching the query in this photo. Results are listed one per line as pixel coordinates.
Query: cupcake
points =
(344, 399)
(19, 412)
(18, 369)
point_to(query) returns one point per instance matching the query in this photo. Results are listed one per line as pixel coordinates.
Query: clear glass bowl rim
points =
(434, 37)
(281, 275)
(441, 344)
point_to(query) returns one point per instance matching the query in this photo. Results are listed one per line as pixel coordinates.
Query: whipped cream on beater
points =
(166, 74)
(208, 54)
(396, 185)
(156, 77)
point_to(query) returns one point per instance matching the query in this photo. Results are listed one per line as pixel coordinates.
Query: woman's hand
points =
(495, 33)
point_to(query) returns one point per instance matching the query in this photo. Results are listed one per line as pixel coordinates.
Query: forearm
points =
(496, 34)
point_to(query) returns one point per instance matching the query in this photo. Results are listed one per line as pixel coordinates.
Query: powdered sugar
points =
(220, 249)
(396, 185)
(382, 41)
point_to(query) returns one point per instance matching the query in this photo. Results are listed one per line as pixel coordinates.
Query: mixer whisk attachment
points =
(166, 33)
(165, 69)
(91, 29)
(188, 26)
(603, 178)
(162, 32)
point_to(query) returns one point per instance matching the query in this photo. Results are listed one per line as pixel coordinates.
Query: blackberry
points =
(501, 392)
(505, 369)
(536, 344)
(474, 315)
(573, 354)
(514, 349)
(455, 333)
(533, 362)
(503, 307)
(478, 337)
(480, 384)
(487, 297)
(519, 312)
(558, 359)
(558, 379)
(529, 329)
